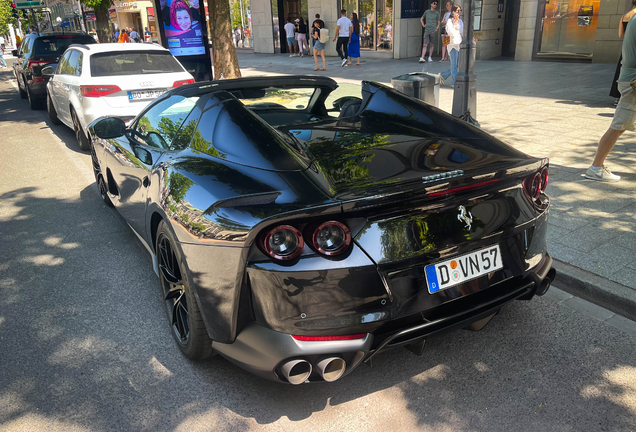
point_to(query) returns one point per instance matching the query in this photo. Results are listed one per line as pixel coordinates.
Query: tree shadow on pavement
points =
(86, 346)
(16, 111)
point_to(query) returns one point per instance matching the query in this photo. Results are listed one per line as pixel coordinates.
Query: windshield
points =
(133, 63)
(56, 45)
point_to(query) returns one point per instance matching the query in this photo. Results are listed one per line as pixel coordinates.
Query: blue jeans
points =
(452, 70)
(2, 61)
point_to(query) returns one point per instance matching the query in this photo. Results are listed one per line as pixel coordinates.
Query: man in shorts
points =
(291, 40)
(430, 21)
(625, 115)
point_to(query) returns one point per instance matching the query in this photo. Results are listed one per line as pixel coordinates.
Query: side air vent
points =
(244, 201)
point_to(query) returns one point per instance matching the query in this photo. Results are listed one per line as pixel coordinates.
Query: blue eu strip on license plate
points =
(462, 269)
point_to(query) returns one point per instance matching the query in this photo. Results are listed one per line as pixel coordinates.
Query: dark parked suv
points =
(36, 52)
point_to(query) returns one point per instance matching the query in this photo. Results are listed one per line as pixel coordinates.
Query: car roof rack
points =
(79, 46)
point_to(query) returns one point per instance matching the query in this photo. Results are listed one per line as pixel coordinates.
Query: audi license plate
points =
(144, 94)
(462, 269)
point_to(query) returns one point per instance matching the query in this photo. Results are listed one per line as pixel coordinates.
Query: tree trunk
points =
(101, 22)
(225, 61)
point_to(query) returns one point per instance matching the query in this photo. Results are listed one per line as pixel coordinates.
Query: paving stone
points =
(623, 324)
(557, 295)
(605, 260)
(589, 309)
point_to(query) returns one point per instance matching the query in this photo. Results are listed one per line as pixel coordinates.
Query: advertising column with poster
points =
(184, 33)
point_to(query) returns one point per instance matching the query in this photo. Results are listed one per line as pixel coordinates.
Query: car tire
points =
(52, 111)
(23, 93)
(34, 104)
(186, 322)
(103, 191)
(82, 139)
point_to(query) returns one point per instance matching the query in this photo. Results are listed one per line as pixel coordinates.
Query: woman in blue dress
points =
(354, 40)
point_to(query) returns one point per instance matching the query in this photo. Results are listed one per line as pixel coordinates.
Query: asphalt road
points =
(85, 344)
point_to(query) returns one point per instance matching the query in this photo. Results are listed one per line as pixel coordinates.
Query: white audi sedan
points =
(97, 80)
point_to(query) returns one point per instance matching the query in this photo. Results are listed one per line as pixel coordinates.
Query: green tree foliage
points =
(6, 18)
(101, 17)
(235, 12)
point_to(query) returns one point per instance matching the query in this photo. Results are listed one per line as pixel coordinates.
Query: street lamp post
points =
(465, 92)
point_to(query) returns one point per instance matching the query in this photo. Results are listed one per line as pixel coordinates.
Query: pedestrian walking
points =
(625, 115)
(2, 62)
(430, 21)
(147, 35)
(302, 37)
(343, 34)
(449, 7)
(319, 47)
(291, 40)
(237, 36)
(455, 30)
(354, 45)
(123, 36)
(320, 22)
(134, 36)
(621, 32)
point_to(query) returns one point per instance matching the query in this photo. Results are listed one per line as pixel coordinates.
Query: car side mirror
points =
(48, 71)
(14, 53)
(109, 127)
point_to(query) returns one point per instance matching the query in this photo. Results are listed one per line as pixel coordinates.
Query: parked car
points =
(109, 79)
(35, 52)
(299, 240)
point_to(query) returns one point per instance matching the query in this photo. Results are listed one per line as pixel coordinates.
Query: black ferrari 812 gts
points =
(298, 233)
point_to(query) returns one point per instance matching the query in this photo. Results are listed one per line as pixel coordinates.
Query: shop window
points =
(376, 22)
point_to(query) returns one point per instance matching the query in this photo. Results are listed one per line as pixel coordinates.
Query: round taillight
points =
(283, 243)
(535, 186)
(544, 178)
(332, 238)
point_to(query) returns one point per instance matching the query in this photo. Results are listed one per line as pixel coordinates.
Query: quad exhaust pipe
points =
(296, 371)
(544, 285)
(332, 368)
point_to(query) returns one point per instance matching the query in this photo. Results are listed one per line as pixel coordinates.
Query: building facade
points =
(568, 30)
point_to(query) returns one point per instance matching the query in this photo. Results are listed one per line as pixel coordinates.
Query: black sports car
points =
(299, 240)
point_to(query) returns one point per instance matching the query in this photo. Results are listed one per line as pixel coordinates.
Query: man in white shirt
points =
(291, 40)
(343, 33)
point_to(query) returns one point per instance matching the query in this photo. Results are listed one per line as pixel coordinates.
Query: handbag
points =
(445, 39)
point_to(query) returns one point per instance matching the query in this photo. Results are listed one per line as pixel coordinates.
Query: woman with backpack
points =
(319, 47)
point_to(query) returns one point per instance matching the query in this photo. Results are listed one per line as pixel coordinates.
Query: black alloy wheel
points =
(51, 110)
(103, 191)
(82, 140)
(34, 104)
(23, 93)
(183, 312)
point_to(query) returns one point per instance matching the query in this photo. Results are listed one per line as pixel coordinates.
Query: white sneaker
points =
(422, 60)
(430, 59)
(344, 62)
(291, 55)
(603, 174)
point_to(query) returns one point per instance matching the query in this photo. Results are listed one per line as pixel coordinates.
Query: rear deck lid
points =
(140, 75)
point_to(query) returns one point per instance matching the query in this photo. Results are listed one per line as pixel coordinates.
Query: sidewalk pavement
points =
(558, 110)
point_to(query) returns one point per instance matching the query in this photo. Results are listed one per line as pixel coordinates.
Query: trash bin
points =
(420, 85)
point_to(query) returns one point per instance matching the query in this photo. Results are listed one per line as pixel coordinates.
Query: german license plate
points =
(461, 269)
(144, 94)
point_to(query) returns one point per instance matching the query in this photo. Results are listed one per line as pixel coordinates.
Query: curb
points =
(596, 289)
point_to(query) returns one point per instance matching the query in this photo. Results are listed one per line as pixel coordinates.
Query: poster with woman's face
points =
(182, 27)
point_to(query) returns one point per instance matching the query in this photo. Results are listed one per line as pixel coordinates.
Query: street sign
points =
(30, 4)
(68, 10)
(44, 26)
